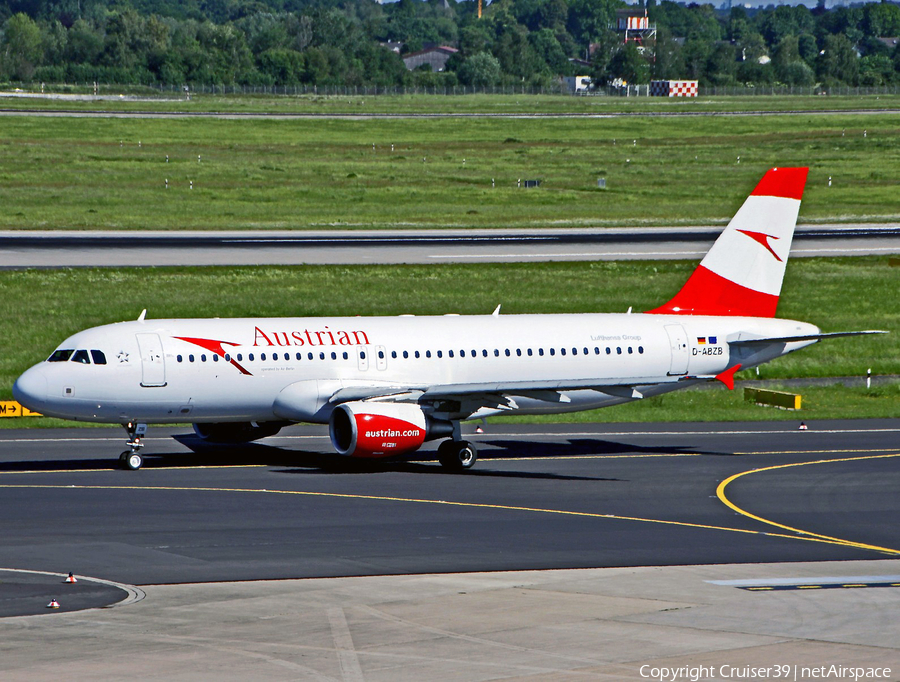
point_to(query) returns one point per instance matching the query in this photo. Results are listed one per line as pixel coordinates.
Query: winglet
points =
(742, 273)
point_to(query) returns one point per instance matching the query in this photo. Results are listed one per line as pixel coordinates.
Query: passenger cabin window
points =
(60, 355)
(82, 357)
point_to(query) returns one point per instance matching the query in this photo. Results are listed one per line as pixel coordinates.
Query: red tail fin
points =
(743, 271)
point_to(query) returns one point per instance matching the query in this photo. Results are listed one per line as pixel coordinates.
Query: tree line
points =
(527, 42)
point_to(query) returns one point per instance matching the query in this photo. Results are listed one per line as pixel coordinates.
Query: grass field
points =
(74, 173)
(39, 308)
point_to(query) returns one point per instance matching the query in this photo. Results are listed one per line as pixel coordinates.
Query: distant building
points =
(436, 57)
(634, 24)
(392, 46)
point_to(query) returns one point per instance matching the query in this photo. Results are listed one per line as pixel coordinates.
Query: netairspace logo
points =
(774, 672)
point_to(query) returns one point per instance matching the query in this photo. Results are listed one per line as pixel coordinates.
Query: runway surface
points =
(540, 497)
(29, 249)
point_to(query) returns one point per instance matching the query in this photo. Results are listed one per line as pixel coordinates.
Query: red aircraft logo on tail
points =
(763, 239)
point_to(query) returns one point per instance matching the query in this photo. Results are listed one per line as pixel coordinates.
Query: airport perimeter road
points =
(540, 497)
(33, 249)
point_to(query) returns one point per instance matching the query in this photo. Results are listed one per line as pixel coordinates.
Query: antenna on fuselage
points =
(496, 312)
(142, 315)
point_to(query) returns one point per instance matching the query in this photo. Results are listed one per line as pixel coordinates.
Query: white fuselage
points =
(284, 369)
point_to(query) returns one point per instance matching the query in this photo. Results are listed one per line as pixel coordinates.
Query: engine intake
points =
(372, 429)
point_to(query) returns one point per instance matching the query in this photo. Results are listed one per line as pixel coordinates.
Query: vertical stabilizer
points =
(742, 273)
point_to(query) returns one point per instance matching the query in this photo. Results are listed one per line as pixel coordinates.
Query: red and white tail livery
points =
(386, 385)
(744, 269)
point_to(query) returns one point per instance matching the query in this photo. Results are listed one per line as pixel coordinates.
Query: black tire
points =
(457, 456)
(131, 460)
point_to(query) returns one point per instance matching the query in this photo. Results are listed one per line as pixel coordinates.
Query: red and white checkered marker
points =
(673, 88)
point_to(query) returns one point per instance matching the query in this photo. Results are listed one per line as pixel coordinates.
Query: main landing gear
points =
(131, 459)
(457, 455)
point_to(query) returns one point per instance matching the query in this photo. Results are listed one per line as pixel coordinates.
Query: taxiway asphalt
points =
(277, 561)
(540, 497)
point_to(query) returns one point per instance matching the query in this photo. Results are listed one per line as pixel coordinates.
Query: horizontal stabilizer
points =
(803, 337)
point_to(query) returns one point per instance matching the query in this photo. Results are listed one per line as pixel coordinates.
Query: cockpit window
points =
(82, 357)
(60, 355)
(98, 357)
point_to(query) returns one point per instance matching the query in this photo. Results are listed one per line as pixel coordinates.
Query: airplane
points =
(386, 385)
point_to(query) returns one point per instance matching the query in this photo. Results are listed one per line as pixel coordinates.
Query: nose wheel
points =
(132, 459)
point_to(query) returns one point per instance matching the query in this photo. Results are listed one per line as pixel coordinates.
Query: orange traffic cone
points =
(803, 426)
(71, 578)
(53, 604)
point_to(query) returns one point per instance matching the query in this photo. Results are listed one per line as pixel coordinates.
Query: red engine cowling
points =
(370, 429)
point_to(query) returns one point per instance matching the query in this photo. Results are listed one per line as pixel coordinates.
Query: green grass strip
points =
(42, 307)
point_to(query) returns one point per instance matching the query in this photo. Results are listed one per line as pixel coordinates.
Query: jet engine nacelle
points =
(373, 429)
(236, 432)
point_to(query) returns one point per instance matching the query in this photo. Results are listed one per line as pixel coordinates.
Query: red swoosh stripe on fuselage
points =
(214, 346)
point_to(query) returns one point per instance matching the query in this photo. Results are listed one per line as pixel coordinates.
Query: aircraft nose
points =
(30, 389)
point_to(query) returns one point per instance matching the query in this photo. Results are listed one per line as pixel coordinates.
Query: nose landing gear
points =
(131, 459)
